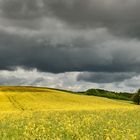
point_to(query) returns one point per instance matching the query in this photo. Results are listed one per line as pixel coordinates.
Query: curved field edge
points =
(57, 115)
(33, 99)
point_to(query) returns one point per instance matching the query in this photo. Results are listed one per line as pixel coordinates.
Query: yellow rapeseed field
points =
(47, 114)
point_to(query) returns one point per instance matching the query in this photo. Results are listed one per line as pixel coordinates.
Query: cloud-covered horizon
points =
(99, 39)
(67, 81)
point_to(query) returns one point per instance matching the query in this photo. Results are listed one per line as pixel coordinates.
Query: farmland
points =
(28, 113)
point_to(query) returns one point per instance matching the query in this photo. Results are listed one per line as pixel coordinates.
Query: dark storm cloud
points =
(88, 11)
(57, 57)
(119, 16)
(103, 77)
(19, 9)
(44, 56)
(71, 35)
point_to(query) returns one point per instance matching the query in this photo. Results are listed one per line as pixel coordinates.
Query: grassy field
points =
(47, 114)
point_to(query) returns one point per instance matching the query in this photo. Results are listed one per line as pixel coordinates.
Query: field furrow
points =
(56, 115)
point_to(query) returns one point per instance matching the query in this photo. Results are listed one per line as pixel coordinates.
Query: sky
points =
(70, 44)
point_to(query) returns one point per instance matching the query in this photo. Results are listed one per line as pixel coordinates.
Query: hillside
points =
(31, 113)
(33, 98)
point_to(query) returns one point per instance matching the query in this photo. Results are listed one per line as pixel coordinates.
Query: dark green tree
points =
(136, 97)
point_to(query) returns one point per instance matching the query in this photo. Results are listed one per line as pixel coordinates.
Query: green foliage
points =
(109, 94)
(136, 97)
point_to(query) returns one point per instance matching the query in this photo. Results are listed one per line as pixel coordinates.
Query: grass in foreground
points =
(56, 115)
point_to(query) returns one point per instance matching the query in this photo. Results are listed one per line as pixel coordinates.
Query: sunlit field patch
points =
(56, 115)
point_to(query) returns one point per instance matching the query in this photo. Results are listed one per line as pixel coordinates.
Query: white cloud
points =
(66, 81)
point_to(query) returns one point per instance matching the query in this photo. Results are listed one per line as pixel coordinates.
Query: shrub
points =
(136, 97)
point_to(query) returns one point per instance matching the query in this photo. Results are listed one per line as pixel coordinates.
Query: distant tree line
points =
(109, 94)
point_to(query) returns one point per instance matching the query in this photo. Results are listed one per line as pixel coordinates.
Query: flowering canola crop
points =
(58, 115)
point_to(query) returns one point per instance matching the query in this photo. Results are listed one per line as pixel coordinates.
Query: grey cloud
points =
(79, 11)
(11, 81)
(66, 80)
(120, 17)
(37, 81)
(134, 82)
(35, 78)
(19, 9)
(91, 11)
(21, 77)
(80, 53)
(62, 35)
(104, 77)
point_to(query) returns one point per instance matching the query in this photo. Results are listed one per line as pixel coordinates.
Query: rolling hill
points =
(33, 98)
(31, 113)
